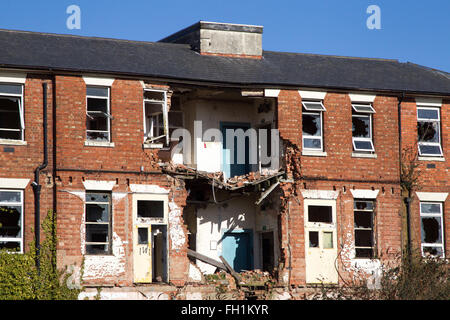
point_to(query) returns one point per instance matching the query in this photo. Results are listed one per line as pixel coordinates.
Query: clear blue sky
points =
(413, 30)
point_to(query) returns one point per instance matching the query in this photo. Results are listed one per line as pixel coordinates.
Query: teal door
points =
(237, 250)
(231, 167)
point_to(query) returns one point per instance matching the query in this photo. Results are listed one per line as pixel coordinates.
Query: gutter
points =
(35, 184)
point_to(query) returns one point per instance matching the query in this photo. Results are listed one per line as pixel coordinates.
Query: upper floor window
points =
(428, 131)
(362, 131)
(312, 122)
(432, 229)
(11, 220)
(12, 122)
(98, 116)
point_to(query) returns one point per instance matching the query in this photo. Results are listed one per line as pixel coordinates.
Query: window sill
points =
(364, 155)
(426, 158)
(13, 142)
(314, 153)
(99, 144)
(152, 145)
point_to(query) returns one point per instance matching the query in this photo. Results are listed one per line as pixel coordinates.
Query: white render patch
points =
(271, 93)
(195, 274)
(117, 196)
(11, 183)
(176, 231)
(98, 185)
(364, 194)
(79, 194)
(314, 95)
(429, 102)
(98, 81)
(100, 266)
(320, 194)
(10, 77)
(358, 97)
(148, 188)
(432, 196)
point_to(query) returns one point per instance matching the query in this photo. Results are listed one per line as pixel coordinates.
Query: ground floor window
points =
(98, 223)
(432, 229)
(11, 220)
(364, 228)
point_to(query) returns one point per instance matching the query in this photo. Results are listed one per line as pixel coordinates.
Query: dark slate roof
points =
(23, 49)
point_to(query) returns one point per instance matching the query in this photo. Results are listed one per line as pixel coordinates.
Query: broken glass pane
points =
(313, 239)
(431, 230)
(430, 208)
(363, 205)
(10, 221)
(154, 95)
(431, 114)
(428, 131)
(10, 196)
(311, 124)
(150, 209)
(97, 197)
(363, 219)
(97, 232)
(142, 235)
(361, 126)
(433, 251)
(328, 240)
(9, 113)
(97, 212)
(320, 214)
(363, 238)
(97, 91)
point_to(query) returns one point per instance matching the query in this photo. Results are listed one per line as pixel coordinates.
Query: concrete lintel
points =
(432, 196)
(320, 194)
(364, 194)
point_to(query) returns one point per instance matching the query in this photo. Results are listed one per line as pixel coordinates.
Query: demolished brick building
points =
(88, 129)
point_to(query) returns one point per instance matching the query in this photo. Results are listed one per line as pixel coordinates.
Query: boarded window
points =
(322, 214)
(364, 228)
(11, 219)
(98, 223)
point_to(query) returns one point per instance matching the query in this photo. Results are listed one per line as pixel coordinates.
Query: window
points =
(363, 224)
(98, 223)
(428, 130)
(321, 214)
(12, 122)
(362, 127)
(98, 117)
(11, 220)
(150, 209)
(432, 230)
(312, 125)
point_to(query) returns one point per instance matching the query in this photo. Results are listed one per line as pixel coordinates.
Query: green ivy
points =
(19, 276)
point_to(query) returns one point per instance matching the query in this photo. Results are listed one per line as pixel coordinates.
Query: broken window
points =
(313, 239)
(150, 209)
(159, 122)
(12, 122)
(321, 214)
(98, 223)
(312, 125)
(98, 117)
(428, 131)
(362, 127)
(363, 224)
(11, 220)
(432, 229)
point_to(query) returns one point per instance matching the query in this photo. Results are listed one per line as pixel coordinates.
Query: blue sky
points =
(413, 30)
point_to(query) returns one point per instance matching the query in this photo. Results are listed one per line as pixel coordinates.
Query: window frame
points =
(148, 132)
(363, 139)
(441, 216)
(305, 111)
(438, 121)
(108, 114)
(372, 229)
(21, 110)
(21, 204)
(109, 223)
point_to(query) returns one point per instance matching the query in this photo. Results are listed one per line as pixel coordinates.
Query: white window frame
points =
(108, 112)
(372, 211)
(356, 106)
(109, 223)
(370, 139)
(21, 204)
(441, 216)
(438, 121)
(148, 132)
(21, 111)
(315, 113)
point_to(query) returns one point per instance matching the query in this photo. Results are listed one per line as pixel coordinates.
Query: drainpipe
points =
(35, 184)
(407, 200)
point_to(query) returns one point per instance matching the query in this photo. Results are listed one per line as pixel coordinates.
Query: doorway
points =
(231, 165)
(267, 248)
(237, 249)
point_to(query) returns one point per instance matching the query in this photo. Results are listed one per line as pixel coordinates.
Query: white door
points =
(142, 255)
(320, 241)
